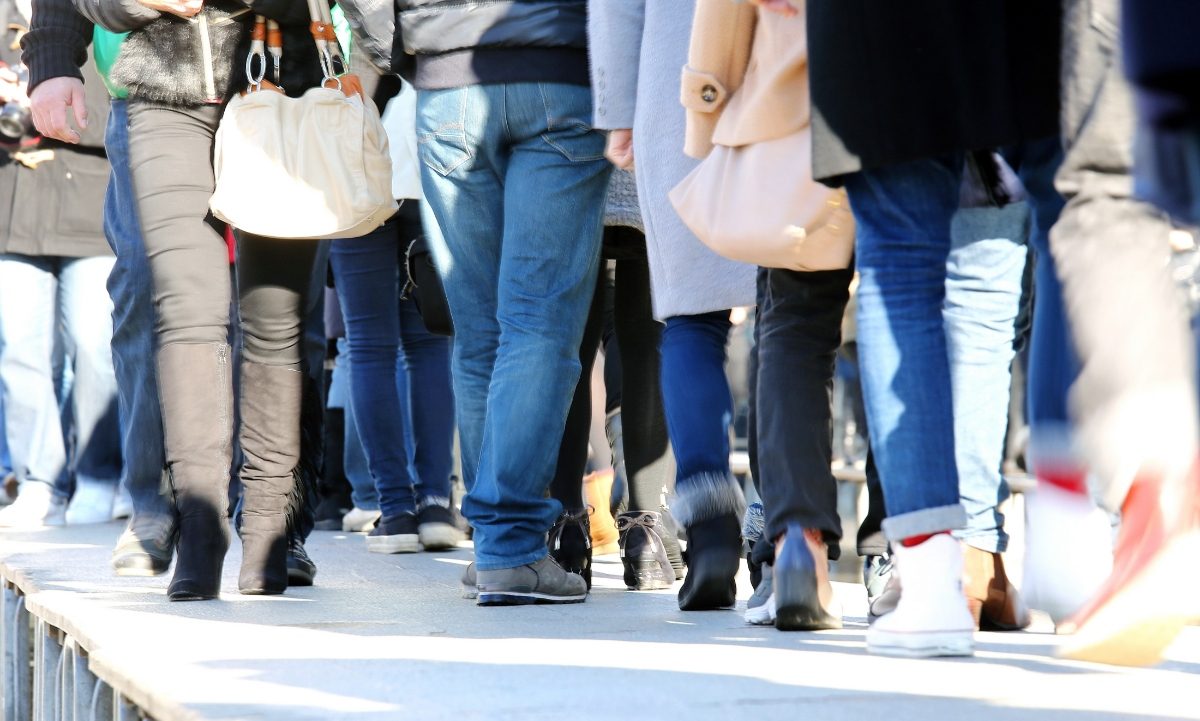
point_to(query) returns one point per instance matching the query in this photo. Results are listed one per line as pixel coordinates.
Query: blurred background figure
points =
(56, 368)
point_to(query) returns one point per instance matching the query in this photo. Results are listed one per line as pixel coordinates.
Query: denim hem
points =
(496, 563)
(926, 520)
(707, 495)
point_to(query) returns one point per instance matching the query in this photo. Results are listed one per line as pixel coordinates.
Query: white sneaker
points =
(36, 507)
(360, 520)
(762, 615)
(92, 502)
(931, 616)
(1068, 550)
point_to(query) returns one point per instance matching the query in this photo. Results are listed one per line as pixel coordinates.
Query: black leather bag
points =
(424, 286)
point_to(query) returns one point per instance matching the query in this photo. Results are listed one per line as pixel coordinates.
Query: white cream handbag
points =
(312, 167)
(400, 122)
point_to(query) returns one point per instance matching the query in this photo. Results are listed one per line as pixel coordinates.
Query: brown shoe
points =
(993, 600)
(597, 492)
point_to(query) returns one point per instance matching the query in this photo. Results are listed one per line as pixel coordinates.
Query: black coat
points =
(898, 81)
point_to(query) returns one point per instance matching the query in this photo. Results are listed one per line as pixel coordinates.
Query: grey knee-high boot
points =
(270, 437)
(196, 390)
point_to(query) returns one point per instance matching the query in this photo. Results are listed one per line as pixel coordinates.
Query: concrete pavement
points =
(388, 637)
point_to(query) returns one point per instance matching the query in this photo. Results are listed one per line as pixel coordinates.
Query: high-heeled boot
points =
(270, 437)
(196, 390)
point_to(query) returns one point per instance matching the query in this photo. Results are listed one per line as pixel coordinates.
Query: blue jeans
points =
(50, 305)
(904, 213)
(354, 458)
(133, 342)
(515, 181)
(1053, 362)
(699, 412)
(403, 404)
(984, 276)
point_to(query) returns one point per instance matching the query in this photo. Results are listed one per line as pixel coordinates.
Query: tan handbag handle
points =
(267, 39)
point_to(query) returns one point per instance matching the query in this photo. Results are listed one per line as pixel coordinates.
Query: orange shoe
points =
(597, 493)
(993, 600)
(1150, 595)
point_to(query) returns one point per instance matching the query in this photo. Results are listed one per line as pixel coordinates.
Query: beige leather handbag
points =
(311, 167)
(753, 198)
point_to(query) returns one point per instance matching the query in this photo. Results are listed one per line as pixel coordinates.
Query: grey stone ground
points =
(388, 637)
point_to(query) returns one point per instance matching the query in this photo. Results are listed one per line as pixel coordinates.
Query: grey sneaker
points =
(146, 546)
(543, 581)
(469, 589)
(760, 609)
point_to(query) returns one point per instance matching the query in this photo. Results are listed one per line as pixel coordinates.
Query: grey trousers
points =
(1135, 402)
(170, 152)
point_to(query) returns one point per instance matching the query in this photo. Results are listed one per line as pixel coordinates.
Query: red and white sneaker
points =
(1150, 595)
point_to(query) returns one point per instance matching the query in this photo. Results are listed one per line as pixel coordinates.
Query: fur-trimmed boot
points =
(710, 506)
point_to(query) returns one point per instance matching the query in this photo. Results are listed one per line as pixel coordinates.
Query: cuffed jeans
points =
(401, 397)
(133, 343)
(904, 213)
(515, 181)
(984, 274)
(1135, 400)
(50, 305)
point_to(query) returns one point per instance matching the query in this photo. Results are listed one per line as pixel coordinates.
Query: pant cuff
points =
(925, 521)
(487, 562)
(707, 495)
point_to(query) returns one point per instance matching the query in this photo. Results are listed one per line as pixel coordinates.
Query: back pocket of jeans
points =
(568, 130)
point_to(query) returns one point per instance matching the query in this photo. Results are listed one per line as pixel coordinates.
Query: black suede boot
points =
(270, 435)
(714, 555)
(196, 391)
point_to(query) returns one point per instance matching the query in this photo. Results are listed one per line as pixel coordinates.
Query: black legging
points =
(648, 461)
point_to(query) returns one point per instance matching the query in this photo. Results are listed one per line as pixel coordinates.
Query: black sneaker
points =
(146, 546)
(395, 534)
(570, 544)
(329, 512)
(301, 569)
(436, 528)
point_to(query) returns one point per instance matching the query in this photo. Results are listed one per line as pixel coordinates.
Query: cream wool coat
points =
(638, 48)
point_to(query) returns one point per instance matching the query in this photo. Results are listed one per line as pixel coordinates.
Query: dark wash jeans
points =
(403, 403)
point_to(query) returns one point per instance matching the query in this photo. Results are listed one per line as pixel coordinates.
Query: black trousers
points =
(626, 301)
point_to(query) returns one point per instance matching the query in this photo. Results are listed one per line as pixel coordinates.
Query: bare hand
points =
(49, 103)
(619, 150)
(783, 7)
(182, 8)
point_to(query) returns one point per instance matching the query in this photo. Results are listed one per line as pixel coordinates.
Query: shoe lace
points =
(646, 520)
(579, 519)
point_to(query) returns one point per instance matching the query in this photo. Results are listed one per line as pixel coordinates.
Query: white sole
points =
(927, 644)
(515, 598)
(393, 544)
(439, 536)
(763, 615)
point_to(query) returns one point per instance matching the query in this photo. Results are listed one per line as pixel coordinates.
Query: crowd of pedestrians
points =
(929, 194)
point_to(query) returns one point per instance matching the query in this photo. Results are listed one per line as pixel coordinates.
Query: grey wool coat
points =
(638, 50)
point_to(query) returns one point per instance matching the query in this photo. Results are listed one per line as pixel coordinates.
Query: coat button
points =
(708, 93)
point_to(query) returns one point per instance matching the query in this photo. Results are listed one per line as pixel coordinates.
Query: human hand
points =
(182, 8)
(783, 7)
(619, 150)
(49, 103)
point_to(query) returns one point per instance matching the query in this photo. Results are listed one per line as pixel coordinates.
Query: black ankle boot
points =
(570, 544)
(643, 553)
(714, 554)
(619, 501)
(270, 438)
(197, 410)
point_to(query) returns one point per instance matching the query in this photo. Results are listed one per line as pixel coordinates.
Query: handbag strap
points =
(267, 39)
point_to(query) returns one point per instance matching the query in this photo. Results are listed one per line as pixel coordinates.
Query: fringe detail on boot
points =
(705, 496)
